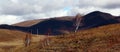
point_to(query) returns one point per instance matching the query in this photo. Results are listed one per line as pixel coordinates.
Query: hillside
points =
(61, 25)
(65, 24)
(99, 39)
(97, 18)
(9, 35)
(13, 39)
(33, 22)
(28, 23)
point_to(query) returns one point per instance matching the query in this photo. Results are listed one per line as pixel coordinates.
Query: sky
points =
(14, 11)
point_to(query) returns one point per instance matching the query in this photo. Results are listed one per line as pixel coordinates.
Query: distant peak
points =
(99, 13)
(96, 12)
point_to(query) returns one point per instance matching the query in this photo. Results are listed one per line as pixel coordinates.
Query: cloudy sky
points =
(14, 11)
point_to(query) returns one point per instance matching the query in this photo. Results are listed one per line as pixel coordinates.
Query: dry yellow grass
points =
(99, 39)
(10, 40)
(8, 35)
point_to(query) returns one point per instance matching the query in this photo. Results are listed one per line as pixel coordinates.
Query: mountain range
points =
(65, 24)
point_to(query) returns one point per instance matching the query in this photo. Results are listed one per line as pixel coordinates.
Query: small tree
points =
(77, 22)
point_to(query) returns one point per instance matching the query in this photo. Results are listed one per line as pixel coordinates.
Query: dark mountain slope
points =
(52, 25)
(118, 18)
(5, 26)
(35, 21)
(97, 18)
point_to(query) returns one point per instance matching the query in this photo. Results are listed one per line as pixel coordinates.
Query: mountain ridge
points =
(54, 26)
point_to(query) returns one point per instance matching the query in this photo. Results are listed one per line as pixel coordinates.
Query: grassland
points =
(99, 39)
(12, 39)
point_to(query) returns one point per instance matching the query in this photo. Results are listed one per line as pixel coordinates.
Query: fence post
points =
(28, 39)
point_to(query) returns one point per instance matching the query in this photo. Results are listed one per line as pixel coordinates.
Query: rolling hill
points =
(99, 39)
(28, 23)
(44, 24)
(9, 35)
(97, 32)
(33, 22)
(97, 18)
(13, 39)
(61, 25)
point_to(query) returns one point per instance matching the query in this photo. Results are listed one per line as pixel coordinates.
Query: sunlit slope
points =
(8, 35)
(99, 39)
(28, 23)
(10, 40)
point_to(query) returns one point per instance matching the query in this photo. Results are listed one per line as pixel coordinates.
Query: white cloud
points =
(14, 1)
(49, 14)
(86, 10)
(35, 9)
(9, 19)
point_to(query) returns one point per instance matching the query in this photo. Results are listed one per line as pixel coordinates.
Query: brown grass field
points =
(12, 39)
(99, 39)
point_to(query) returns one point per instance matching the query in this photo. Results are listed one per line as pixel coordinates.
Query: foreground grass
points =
(100, 39)
(10, 40)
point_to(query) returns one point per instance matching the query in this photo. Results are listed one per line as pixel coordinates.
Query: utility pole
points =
(47, 37)
(46, 41)
(48, 33)
(37, 32)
